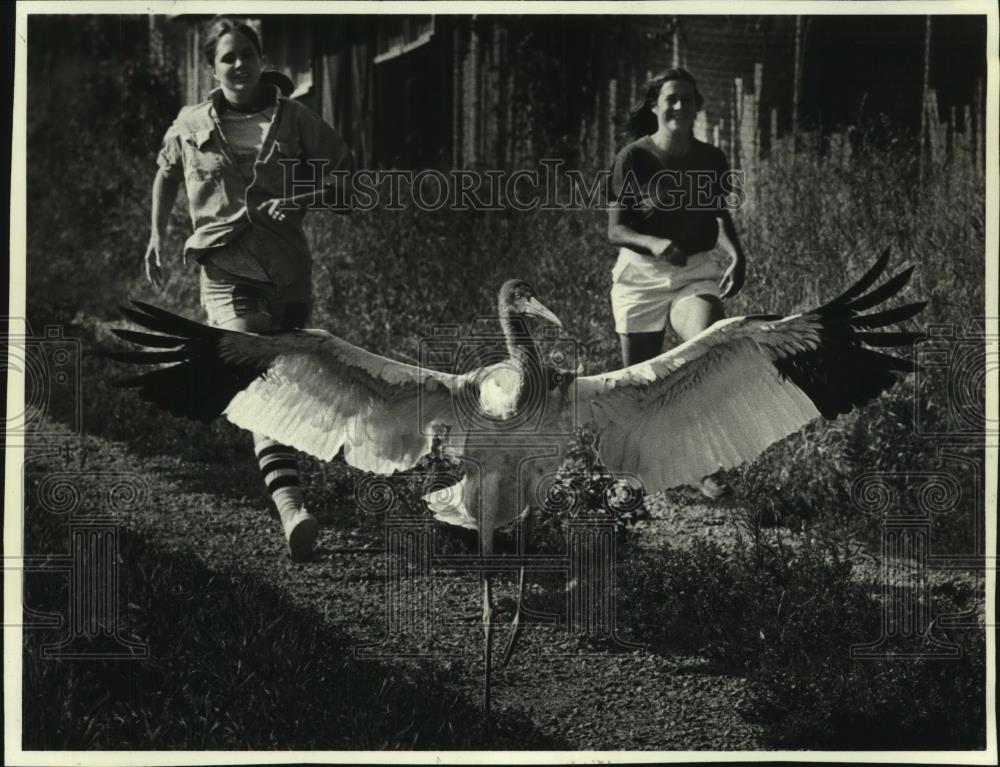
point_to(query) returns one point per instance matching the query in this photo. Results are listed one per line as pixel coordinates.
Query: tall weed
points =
(384, 279)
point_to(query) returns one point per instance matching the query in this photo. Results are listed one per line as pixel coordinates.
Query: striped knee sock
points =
(281, 474)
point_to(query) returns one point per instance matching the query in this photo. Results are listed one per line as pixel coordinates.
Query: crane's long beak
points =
(538, 309)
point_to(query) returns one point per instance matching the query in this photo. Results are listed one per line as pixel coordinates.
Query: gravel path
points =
(603, 699)
(609, 698)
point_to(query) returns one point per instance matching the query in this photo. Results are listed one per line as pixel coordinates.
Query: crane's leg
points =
(487, 645)
(515, 625)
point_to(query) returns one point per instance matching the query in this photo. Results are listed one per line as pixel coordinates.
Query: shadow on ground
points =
(231, 664)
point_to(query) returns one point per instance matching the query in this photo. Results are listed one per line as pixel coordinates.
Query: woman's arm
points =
(165, 191)
(342, 184)
(319, 142)
(624, 185)
(732, 279)
(623, 235)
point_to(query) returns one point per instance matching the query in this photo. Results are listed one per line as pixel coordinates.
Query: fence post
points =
(598, 122)
(676, 44)
(734, 117)
(797, 83)
(774, 131)
(980, 128)
(925, 125)
(758, 90)
(470, 99)
(494, 115)
(457, 87)
(738, 122)
(610, 120)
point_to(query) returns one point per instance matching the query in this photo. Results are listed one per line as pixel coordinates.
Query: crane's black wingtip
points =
(141, 307)
(136, 316)
(154, 340)
(868, 279)
(908, 271)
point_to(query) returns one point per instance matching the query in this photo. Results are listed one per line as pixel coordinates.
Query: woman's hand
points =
(732, 278)
(729, 242)
(165, 190)
(669, 252)
(154, 265)
(273, 209)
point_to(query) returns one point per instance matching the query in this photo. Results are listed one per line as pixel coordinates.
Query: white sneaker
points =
(301, 529)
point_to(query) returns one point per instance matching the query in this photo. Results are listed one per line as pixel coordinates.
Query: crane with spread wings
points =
(717, 400)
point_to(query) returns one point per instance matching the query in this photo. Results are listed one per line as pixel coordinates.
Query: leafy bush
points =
(825, 699)
(788, 618)
(96, 115)
(812, 227)
(583, 487)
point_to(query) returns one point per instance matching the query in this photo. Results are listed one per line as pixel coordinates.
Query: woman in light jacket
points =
(239, 154)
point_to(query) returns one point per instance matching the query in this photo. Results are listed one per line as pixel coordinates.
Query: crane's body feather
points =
(717, 400)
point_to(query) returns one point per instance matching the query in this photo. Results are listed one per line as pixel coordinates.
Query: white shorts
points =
(644, 288)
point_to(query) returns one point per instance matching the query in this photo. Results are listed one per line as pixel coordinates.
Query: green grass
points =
(383, 280)
(232, 664)
(787, 618)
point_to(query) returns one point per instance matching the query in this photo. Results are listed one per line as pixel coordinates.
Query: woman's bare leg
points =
(639, 347)
(278, 466)
(693, 314)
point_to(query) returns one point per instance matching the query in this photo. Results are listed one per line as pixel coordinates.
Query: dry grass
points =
(384, 279)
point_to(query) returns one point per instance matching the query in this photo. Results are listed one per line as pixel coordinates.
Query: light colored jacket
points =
(298, 154)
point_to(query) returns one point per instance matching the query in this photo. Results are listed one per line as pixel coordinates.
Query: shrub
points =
(823, 699)
(787, 618)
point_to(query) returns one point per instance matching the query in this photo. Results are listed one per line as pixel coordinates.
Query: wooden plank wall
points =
(748, 85)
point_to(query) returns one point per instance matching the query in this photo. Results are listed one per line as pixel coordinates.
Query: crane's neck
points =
(520, 345)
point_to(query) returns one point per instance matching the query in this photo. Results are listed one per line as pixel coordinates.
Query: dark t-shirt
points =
(676, 198)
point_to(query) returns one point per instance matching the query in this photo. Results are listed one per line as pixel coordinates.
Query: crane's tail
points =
(199, 384)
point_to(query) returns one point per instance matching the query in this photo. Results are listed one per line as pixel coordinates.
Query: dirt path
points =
(595, 699)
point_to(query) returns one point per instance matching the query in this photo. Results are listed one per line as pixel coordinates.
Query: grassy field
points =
(783, 618)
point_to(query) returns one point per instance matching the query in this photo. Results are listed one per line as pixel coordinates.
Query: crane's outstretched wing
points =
(305, 388)
(723, 397)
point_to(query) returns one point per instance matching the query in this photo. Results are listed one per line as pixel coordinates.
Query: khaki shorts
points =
(644, 289)
(234, 285)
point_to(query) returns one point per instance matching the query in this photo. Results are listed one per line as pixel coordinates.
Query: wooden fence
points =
(751, 134)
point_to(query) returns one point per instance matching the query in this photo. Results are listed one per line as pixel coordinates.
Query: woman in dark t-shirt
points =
(668, 215)
(679, 253)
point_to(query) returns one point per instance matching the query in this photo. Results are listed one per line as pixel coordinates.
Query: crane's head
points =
(517, 299)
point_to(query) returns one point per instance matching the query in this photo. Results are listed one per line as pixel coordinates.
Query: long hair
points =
(641, 121)
(223, 27)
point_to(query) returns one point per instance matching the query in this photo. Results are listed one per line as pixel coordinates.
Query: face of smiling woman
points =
(676, 107)
(237, 67)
